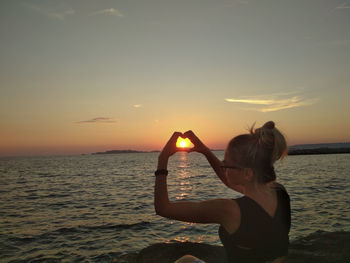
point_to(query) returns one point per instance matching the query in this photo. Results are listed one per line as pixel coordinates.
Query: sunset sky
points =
(82, 76)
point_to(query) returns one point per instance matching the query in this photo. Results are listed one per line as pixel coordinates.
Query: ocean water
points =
(92, 208)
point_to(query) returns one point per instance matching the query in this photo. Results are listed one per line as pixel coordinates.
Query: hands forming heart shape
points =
(181, 142)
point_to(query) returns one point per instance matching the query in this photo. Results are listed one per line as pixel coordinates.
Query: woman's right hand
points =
(212, 159)
(170, 147)
(198, 145)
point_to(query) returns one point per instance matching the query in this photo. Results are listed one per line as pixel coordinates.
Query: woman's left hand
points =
(170, 147)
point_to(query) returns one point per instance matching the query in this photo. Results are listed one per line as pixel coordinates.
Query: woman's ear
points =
(248, 174)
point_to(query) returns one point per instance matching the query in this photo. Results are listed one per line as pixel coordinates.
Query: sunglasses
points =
(230, 167)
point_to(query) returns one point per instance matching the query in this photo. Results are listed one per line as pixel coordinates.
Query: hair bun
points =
(269, 125)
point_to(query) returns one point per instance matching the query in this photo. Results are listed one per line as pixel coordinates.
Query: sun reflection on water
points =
(182, 239)
(185, 238)
(184, 187)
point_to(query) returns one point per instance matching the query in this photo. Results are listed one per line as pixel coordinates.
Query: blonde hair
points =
(259, 150)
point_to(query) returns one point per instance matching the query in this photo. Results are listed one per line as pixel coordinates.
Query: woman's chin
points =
(238, 188)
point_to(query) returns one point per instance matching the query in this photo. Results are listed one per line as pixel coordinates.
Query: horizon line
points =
(140, 151)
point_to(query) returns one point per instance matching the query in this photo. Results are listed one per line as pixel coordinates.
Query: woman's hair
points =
(259, 150)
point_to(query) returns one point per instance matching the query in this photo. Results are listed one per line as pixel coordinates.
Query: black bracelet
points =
(161, 171)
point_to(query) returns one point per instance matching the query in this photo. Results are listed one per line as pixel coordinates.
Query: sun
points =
(183, 143)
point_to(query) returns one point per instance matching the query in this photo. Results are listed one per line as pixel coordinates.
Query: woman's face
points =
(233, 171)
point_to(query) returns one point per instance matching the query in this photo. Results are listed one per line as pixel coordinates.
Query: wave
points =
(135, 226)
(118, 227)
(77, 230)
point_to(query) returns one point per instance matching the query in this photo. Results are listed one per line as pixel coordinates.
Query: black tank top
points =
(265, 236)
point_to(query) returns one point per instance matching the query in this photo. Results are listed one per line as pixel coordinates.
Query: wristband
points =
(161, 172)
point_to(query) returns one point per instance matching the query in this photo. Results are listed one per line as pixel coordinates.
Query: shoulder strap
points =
(285, 205)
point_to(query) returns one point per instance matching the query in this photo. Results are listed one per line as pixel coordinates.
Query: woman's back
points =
(259, 237)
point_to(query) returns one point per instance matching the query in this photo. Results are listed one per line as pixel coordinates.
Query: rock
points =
(320, 247)
(127, 258)
(164, 253)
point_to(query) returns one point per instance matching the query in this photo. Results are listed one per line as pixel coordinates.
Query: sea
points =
(93, 208)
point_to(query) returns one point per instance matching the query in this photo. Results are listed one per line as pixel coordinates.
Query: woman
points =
(253, 228)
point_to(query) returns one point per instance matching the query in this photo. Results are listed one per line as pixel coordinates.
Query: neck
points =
(255, 189)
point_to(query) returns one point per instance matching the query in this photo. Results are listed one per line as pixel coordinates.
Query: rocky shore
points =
(320, 247)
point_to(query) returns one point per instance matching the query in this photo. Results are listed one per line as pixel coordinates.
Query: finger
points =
(175, 136)
(189, 133)
(192, 137)
(171, 143)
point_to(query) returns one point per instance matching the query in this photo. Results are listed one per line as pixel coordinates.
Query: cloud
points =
(99, 120)
(343, 6)
(49, 13)
(274, 103)
(109, 11)
(252, 101)
(137, 106)
(340, 7)
(61, 15)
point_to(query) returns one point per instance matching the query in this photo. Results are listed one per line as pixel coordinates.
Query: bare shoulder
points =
(232, 217)
(228, 209)
(208, 211)
(230, 206)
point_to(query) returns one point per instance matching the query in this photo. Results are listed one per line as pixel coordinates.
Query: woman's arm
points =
(216, 165)
(161, 199)
(210, 211)
(212, 159)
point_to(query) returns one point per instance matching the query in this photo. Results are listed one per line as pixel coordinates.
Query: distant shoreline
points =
(135, 151)
(290, 151)
(124, 151)
(318, 151)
